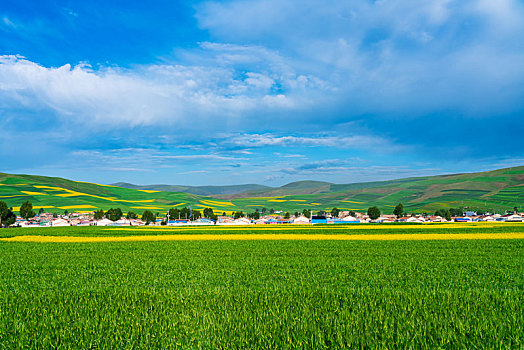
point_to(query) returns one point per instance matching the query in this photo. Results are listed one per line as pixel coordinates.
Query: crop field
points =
(263, 293)
(493, 191)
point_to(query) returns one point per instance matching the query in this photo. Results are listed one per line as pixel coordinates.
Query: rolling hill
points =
(496, 190)
(200, 190)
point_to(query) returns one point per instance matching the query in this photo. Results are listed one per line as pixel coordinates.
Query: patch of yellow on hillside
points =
(297, 200)
(92, 183)
(177, 205)
(70, 193)
(277, 200)
(10, 196)
(149, 191)
(43, 207)
(268, 237)
(316, 203)
(152, 208)
(29, 193)
(216, 203)
(87, 206)
(353, 202)
(52, 188)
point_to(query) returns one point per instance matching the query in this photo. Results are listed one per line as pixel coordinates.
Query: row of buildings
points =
(86, 219)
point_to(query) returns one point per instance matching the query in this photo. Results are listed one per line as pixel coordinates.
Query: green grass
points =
(261, 294)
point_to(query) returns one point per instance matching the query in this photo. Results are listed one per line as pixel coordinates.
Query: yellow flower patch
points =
(267, 237)
(29, 193)
(152, 208)
(87, 206)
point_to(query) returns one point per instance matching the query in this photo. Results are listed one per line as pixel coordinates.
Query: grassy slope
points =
(200, 190)
(498, 190)
(324, 294)
(56, 194)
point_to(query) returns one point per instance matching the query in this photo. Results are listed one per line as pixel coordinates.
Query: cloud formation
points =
(243, 83)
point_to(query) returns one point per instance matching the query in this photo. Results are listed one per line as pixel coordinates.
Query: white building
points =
(103, 222)
(242, 221)
(301, 220)
(514, 218)
(60, 223)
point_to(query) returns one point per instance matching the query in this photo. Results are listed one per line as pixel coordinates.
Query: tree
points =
(41, 211)
(271, 211)
(238, 214)
(263, 210)
(456, 212)
(352, 213)
(515, 210)
(399, 209)
(306, 213)
(114, 214)
(297, 214)
(286, 215)
(148, 217)
(66, 212)
(130, 215)
(196, 215)
(373, 213)
(26, 210)
(335, 212)
(3, 211)
(208, 213)
(322, 213)
(174, 213)
(185, 213)
(98, 215)
(254, 216)
(7, 217)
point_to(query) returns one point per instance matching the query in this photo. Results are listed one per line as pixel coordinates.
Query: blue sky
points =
(260, 91)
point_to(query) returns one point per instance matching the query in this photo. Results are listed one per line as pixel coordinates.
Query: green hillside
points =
(497, 190)
(200, 190)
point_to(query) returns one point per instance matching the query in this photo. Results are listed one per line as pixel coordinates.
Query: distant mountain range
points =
(499, 190)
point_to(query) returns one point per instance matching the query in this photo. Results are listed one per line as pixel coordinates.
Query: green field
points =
(497, 190)
(263, 294)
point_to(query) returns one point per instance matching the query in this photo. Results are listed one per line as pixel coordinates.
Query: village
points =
(344, 217)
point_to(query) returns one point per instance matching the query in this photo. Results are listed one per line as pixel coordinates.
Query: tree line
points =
(7, 216)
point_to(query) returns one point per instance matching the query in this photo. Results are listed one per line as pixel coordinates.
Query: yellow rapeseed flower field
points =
(268, 237)
(86, 206)
(29, 193)
(333, 227)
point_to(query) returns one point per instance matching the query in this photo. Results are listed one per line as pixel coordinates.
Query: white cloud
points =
(145, 95)
(391, 57)
(376, 143)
